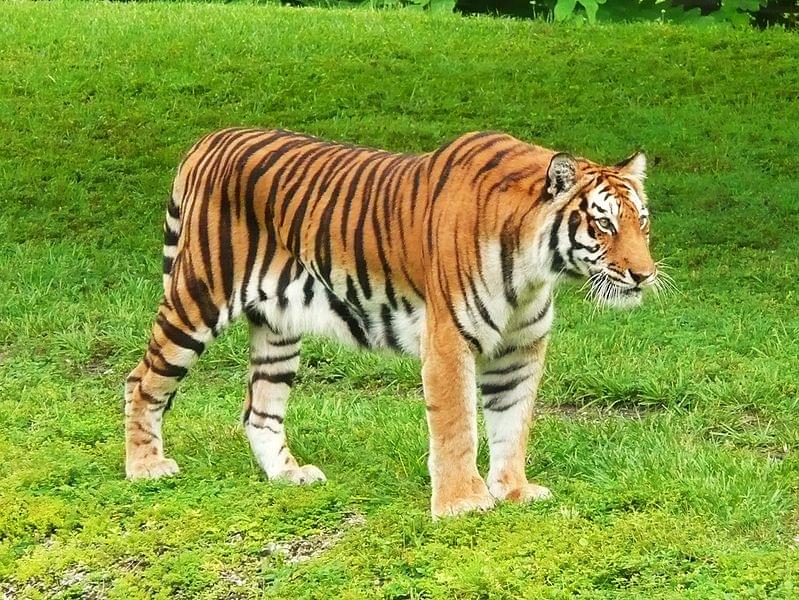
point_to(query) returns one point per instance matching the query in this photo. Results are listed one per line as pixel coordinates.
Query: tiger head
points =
(601, 227)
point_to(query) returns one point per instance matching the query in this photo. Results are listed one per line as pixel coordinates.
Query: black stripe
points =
(351, 194)
(470, 338)
(150, 399)
(265, 415)
(361, 268)
(575, 218)
(169, 400)
(526, 349)
(355, 302)
(322, 250)
(503, 184)
(264, 426)
(285, 342)
(179, 337)
(308, 291)
(305, 162)
(196, 174)
(397, 199)
(383, 184)
(481, 307)
(270, 360)
(169, 370)
(283, 282)
(506, 259)
(491, 164)
(170, 237)
(387, 190)
(173, 209)
(492, 405)
(343, 312)
(451, 309)
(417, 180)
(249, 198)
(505, 370)
(167, 264)
(409, 279)
(251, 218)
(255, 175)
(453, 149)
(201, 295)
(324, 222)
(294, 237)
(224, 249)
(258, 319)
(541, 314)
(211, 180)
(558, 263)
(491, 389)
(180, 309)
(467, 157)
(391, 337)
(285, 378)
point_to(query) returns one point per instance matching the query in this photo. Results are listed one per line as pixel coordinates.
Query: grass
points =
(669, 434)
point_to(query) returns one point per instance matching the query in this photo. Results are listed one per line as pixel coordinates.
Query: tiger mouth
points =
(605, 291)
(631, 291)
(618, 297)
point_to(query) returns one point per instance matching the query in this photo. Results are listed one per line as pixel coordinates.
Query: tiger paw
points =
(151, 468)
(475, 497)
(526, 492)
(304, 475)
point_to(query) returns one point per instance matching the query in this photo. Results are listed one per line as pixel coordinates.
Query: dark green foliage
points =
(736, 12)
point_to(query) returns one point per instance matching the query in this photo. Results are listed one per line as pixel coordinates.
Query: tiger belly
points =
(307, 306)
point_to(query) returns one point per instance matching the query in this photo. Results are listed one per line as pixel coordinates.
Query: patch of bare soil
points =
(307, 548)
(592, 413)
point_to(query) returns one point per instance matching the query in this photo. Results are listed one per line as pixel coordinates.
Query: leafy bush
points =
(736, 12)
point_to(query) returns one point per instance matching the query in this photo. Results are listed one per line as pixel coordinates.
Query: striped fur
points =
(451, 255)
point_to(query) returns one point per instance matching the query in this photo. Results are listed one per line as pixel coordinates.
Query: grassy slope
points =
(667, 434)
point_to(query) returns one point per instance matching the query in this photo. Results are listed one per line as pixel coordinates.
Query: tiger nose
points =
(639, 277)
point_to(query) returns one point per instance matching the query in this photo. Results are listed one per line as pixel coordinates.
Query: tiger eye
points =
(604, 223)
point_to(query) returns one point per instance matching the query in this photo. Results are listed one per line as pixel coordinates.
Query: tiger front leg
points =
(448, 376)
(508, 384)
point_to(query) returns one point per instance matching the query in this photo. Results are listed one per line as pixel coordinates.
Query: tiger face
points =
(601, 227)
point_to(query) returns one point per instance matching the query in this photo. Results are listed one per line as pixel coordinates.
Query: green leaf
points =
(442, 6)
(564, 9)
(590, 7)
(748, 5)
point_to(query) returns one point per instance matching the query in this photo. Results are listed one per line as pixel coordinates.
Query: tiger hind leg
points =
(274, 359)
(149, 390)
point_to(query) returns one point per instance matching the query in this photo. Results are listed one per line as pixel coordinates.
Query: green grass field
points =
(668, 435)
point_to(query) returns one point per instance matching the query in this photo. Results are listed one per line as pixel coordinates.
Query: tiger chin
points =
(451, 255)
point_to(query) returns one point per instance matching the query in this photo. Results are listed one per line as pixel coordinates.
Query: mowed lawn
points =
(669, 435)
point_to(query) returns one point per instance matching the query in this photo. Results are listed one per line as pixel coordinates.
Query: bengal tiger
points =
(451, 255)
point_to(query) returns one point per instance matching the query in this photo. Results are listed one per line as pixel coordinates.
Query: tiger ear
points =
(562, 174)
(633, 166)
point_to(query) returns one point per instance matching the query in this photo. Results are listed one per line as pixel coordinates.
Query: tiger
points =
(450, 255)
